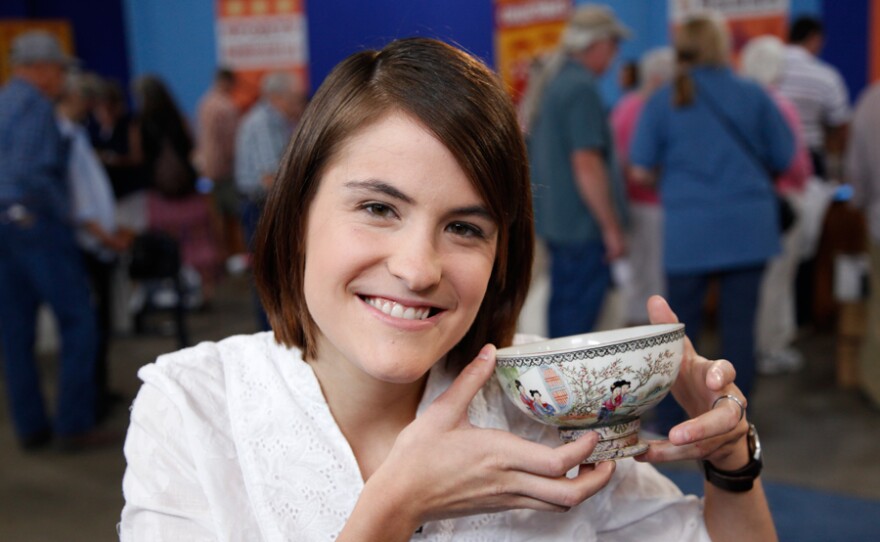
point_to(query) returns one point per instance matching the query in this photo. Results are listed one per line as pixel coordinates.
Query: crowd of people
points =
(706, 183)
(99, 178)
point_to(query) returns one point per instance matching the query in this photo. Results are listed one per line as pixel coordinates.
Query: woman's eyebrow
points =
(473, 210)
(375, 185)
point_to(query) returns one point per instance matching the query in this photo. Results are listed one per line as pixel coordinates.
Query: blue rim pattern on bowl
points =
(590, 352)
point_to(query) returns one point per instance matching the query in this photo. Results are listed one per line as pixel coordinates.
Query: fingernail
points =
(486, 352)
(681, 435)
(717, 375)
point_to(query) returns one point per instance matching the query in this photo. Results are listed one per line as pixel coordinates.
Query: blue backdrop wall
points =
(182, 48)
(176, 40)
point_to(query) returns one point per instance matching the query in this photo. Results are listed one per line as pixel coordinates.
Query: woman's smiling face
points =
(399, 251)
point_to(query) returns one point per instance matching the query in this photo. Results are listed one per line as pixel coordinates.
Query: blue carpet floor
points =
(806, 515)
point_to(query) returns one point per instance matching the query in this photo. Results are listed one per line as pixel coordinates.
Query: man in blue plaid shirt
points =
(39, 260)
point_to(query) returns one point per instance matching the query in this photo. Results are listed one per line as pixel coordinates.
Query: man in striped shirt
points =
(820, 95)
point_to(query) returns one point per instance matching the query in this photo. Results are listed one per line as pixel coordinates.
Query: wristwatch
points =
(740, 480)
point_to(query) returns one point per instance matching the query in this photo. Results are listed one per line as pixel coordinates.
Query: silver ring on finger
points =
(735, 399)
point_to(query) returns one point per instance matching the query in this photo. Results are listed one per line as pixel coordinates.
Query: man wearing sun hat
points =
(39, 260)
(578, 191)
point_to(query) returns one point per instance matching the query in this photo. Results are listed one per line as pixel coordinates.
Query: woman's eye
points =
(378, 209)
(466, 230)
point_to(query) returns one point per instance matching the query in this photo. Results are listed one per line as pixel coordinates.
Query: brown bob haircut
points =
(463, 104)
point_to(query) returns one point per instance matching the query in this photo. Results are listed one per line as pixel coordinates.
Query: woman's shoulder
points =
(216, 383)
(208, 364)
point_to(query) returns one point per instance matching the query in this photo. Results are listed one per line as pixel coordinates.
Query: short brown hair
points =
(465, 107)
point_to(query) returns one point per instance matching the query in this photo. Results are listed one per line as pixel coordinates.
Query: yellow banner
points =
(525, 30)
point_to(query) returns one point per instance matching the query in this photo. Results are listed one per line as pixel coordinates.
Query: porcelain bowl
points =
(600, 382)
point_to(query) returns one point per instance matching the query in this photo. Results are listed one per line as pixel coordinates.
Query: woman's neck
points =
(369, 412)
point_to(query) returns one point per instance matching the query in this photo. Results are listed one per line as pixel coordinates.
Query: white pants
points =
(645, 255)
(776, 324)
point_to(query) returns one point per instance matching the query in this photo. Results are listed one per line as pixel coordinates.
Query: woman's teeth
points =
(397, 310)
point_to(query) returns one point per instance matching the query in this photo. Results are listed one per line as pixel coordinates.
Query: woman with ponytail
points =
(712, 141)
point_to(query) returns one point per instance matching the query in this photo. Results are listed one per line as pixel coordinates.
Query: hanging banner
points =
(255, 37)
(525, 30)
(874, 41)
(746, 18)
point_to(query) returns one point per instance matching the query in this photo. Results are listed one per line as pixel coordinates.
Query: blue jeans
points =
(737, 309)
(40, 263)
(579, 279)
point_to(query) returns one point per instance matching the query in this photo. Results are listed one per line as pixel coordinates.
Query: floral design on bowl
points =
(600, 382)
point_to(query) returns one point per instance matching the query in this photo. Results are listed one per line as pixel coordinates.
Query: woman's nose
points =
(416, 262)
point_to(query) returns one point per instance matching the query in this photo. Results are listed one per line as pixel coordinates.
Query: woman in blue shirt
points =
(710, 138)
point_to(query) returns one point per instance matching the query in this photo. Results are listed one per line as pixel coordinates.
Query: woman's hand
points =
(442, 466)
(716, 434)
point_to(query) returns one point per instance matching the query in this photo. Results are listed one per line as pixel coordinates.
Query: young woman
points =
(393, 252)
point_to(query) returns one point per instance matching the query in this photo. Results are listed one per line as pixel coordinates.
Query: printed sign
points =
(255, 37)
(525, 30)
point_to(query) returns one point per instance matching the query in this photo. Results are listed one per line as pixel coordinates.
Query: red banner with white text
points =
(255, 37)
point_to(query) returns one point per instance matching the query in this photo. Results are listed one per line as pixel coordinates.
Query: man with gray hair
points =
(39, 259)
(578, 194)
(260, 141)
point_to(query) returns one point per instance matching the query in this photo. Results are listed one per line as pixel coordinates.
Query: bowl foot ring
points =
(615, 441)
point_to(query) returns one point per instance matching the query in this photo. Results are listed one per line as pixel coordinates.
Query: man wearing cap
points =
(578, 191)
(39, 260)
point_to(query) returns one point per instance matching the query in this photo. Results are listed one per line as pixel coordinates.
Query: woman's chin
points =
(407, 371)
(397, 375)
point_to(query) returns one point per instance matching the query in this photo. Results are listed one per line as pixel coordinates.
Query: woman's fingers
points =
(561, 491)
(533, 458)
(718, 421)
(541, 473)
(475, 469)
(663, 451)
(718, 374)
(485, 470)
(700, 437)
(458, 396)
(659, 311)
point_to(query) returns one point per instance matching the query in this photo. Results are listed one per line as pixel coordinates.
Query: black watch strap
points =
(740, 480)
